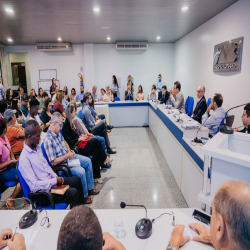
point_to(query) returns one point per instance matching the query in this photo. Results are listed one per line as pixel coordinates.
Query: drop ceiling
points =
(75, 22)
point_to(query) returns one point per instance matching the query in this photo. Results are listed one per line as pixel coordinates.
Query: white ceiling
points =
(128, 20)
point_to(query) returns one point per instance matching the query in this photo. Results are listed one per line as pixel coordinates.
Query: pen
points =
(12, 238)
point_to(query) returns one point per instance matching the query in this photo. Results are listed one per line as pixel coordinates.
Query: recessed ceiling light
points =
(59, 39)
(96, 9)
(184, 8)
(9, 10)
(9, 40)
(108, 38)
(158, 37)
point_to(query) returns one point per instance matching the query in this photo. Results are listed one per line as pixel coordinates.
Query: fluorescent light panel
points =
(184, 8)
(96, 9)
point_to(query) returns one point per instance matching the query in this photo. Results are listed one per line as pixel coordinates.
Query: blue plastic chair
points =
(208, 101)
(6, 184)
(23, 124)
(39, 116)
(79, 115)
(189, 105)
(116, 99)
(31, 195)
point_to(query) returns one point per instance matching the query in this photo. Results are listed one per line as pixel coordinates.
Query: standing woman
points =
(9, 96)
(8, 163)
(140, 94)
(114, 86)
(46, 113)
(88, 147)
(58, 107)
(65, 91)
(73, 94)
(53, 87)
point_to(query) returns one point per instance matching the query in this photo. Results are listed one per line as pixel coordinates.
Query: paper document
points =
(74, 163)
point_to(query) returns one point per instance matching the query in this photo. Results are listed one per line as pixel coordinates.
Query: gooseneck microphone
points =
(143, 228)
(196, 138)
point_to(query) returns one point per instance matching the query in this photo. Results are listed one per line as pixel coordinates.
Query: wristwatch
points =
(170, 246)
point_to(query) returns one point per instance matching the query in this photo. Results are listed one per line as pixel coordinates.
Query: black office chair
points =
(230, 121)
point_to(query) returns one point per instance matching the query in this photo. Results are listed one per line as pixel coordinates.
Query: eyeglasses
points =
(199, 91)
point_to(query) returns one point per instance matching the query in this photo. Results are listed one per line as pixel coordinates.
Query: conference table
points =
(40, 238)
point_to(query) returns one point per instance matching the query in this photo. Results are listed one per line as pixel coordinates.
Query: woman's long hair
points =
(115, 80)
(141, 89)
(59, 96)
(93, 103)
(69, 110)
(47, 101)
(14, 106)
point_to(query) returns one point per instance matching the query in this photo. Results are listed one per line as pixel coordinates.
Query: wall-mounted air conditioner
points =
(131, 46)
(54, 47)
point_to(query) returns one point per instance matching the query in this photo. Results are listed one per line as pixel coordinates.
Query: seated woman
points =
(41, 100)
(65, 92)
(129, 94)
(73, 94)
(58, 107)
(46, 114)
(87, 147)
(8, 163)
(109, 94)
(9, 96)
(65, 101)
(140, 94)
(104, 97)
(20, 118)
(92, 109)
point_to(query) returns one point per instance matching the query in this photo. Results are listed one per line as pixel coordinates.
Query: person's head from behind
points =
(3, 106)
(246, 115)
(216, 101)
(159, 77)
(59, 96)
(71, 112)
(164, 89)
(32, 133)
(230, 221)
(56, 122)
(177, 87)
(32, 93)
(25, 101)
(44, 95)
(3, 127)
(82, 89)
(103, 91)
(153, 87)
(140, 90)
(10, 116)
(200, 91)
(94, 89)
(34, 106)
(114, 80)
(20, 90)
(73, 91)
(83, 224)
(47, 104)
(86, 98)
(128, 88)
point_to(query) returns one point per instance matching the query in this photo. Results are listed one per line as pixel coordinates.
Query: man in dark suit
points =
(201, 105)
(245, 120)
(165, 95)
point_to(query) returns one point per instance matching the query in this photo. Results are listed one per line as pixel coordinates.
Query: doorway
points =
(19, 75)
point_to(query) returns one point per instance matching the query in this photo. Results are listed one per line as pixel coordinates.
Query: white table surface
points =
(196, 148)
(162, 228)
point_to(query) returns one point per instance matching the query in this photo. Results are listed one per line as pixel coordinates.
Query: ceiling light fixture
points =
(9, 40)
(96, 9)
(108, 38)
(184, 8)
(158, 37)
(59, 39)
(9, 10)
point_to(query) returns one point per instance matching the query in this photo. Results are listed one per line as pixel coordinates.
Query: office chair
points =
(208, 101)
(189, 105)
(116, 99)
(79, 115)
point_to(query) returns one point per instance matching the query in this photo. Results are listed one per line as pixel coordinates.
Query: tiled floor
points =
(139, 174)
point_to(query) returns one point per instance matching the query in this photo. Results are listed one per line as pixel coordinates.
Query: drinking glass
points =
(120, 233)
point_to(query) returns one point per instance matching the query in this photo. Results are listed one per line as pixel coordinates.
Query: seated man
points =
(213, 122)
(98, 127)
(89, 236)
(129, 94)
(24, 105)
(33, 114)
(80, 95)
(58, 151)
(201, 105)
(230, 221)
(171, 92)
(245, 120)
(94, 93)
(165, 95)
(15, 134)
(153, 94)
(39, 175)
(177, 98)
(20, 93)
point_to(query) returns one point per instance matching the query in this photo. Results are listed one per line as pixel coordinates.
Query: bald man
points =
(94, 93)
(201, 105)
(230, 221)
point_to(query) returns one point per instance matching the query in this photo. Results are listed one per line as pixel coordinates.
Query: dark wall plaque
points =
(228, 55)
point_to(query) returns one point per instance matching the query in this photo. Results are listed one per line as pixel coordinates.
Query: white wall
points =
(144, 67)
(67, 64)
(194, 58)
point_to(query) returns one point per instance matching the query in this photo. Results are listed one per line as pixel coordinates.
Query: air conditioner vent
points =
(54, 47)
(131, 46)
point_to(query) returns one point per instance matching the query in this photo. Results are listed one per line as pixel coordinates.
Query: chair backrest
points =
(208, 101)
(79, 115)
(230, 121)
(39, 116)
(116, 99)
(23, 124)
(44, 153)
(189, 105)
(25, 187)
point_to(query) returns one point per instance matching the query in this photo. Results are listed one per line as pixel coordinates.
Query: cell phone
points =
(204, 138)
(201, 217)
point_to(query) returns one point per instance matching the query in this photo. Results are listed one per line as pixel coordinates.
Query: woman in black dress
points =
(46, 114)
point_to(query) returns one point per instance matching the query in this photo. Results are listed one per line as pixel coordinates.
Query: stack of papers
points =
(74, 163)
(190, 124)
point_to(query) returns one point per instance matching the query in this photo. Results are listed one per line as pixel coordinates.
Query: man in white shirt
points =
(177, 98)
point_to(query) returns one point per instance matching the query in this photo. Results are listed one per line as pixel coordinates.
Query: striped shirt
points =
(15, 141)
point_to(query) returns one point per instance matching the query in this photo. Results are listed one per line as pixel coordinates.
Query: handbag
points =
(82, 143)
